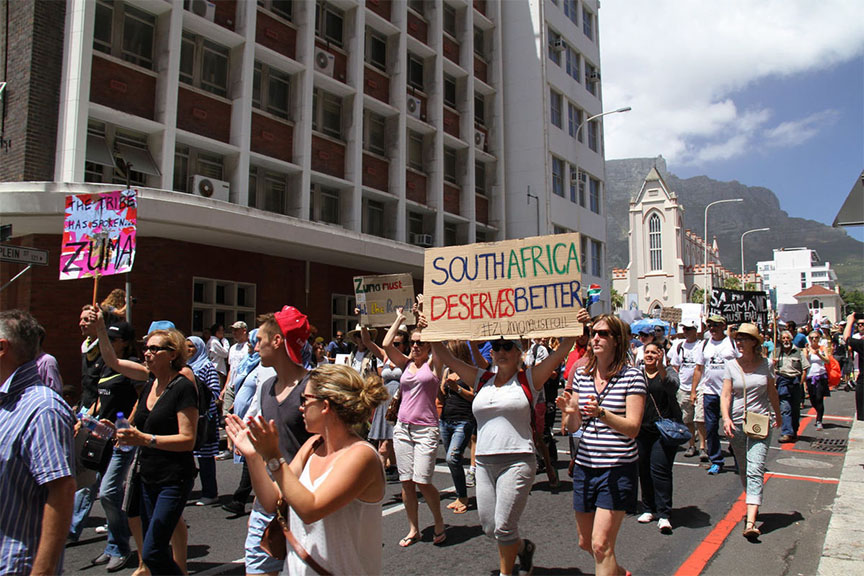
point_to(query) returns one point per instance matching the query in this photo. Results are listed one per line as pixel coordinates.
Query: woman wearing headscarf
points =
(245, 383)
(204, 371)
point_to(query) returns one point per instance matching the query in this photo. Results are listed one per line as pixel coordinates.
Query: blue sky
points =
(769, 93)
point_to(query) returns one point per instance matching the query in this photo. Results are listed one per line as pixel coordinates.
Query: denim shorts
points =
(610, 488)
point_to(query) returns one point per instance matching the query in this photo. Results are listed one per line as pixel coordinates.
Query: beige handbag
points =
(755, 425)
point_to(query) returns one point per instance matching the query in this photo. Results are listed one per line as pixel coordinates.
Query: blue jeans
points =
(207, 468)
(83, 505)
(789, 390)
(161, 508)
(111, 495)
(455, 435)
(711, 407)
(655, 473)
(750, 454)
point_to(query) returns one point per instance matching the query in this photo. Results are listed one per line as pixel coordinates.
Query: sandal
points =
(459, 508)
(440, 538)
(409, 540)
(750, 530)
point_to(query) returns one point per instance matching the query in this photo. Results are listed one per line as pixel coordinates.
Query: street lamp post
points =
(706, 291)
(742, 250)
(587, 120)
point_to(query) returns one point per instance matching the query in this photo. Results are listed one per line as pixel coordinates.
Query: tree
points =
(696, 296)
(854, 300)
(617, 300)
(732, 283)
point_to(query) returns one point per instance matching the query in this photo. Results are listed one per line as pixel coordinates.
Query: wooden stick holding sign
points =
(529, 287)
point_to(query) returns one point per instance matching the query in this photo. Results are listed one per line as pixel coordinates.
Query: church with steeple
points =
(666, 261)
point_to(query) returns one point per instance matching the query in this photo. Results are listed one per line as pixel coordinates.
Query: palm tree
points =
(617, 300)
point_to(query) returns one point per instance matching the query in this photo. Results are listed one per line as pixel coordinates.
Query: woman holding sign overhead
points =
(503, 408)
(416, 434)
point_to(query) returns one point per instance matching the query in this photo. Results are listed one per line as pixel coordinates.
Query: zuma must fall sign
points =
(517, 288)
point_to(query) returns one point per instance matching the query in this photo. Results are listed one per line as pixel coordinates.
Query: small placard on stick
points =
(672, 315)
(379, 296)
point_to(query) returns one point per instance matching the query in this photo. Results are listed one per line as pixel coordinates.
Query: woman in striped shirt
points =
(605, 411)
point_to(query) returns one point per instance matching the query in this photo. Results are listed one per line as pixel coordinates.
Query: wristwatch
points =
(601, 414)
(152, 442)
(273, 464)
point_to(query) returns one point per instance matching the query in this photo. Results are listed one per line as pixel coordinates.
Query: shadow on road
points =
(772, 521)
(690, 517)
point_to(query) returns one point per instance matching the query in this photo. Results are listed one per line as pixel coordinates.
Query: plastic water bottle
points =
(97, 427)
(123, 424)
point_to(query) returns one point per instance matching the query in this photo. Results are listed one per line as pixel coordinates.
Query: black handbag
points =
(672, 433)
(96, 451)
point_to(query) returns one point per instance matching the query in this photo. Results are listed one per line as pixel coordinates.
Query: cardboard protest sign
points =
(690, 311)
(379, 296)
(98, 234)
(529, 287)
(738, 306)
(671, 315)
(798, 313)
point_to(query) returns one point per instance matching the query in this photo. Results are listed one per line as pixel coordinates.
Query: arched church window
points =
(654, 245)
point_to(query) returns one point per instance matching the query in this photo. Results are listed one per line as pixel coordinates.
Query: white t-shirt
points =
(714, 357)
(503, 417)
(685, 356)
(217, 352)
(236, 354)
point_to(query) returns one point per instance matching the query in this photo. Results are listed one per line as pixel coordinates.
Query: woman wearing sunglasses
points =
(334, 486)
(164, 423)
(416, 433)
(817, 375)
(604, 409)
(505, 440)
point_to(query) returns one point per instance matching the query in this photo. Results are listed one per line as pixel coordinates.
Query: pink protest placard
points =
(99, 234)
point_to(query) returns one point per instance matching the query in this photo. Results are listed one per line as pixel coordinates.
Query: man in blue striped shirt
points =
(37, 479)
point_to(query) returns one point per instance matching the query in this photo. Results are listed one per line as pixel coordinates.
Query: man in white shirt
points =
(686, 357)
(237, 352)
(716, 352)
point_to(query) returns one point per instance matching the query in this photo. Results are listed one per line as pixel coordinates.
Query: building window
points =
(450, 165)
(573, 64)
(591, 78)
(555, 42)
(415, 151)
(480, 178)
(204, 64)
(375, 136)
(118, 156)
(325, 205)
(373, 218)
(480, 43)
(593, 140)
(268, 190)
(594, 195)
(376, 50)
(596, 259)
(221, 302)
(124, 32)
(283, 8)
(342, 316)
(558, 176)
(451, 234)
(587, 23)
(574, 184)
(271, 90)
(328, 23)
(449, 91)
(655, 248)
(479, 110)
(189, 162)
(555, 108)
(327, 113)
(449, 20)
(418, 6)
(583, 253)
(571, 11)
(574, 119)
(415, 224)
(415, 72)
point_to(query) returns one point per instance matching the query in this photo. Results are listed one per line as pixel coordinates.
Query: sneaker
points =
(101, 559)
(392, 474)
(526, 558)
(235, 508)
(101, 529)
(470, 479)
(207, 501)
(224, 455)
(645, 518)
(787, 439)
(690, 452)
(818, 426)
(118, 563)
(664, 526)
(714, 469)
(703, 455)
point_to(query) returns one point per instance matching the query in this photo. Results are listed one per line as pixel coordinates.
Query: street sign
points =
(23, 255)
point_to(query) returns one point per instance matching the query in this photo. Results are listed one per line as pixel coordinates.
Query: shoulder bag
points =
(672, 433)
(755, 425)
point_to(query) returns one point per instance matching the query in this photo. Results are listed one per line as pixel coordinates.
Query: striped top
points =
(601, 445)
(35, 448)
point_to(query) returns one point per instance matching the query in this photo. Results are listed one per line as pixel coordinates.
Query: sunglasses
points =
(505, 345)
(714, 325)
(417, 342)
(308, 397)
(605, 333)
(153, 349)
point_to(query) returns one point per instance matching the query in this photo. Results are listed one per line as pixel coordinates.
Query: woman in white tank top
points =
(334, 486)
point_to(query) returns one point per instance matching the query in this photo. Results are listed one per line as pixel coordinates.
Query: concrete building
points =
(822, 303)
(794, 270)
(666, 261)
(281, 147)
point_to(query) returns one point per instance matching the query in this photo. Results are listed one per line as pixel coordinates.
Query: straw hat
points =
(750, 330)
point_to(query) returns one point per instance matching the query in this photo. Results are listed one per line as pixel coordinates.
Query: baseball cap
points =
(239, 325)
(295, 329)
(689, 323)
(717, 318)
(121, 331)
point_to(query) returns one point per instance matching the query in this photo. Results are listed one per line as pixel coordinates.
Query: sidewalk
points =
(843, 551)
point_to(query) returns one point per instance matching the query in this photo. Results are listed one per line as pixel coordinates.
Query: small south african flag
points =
(593, 295)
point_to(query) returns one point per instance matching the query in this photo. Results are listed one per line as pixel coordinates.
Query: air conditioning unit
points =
(324, 62)
(210, 188)
(424, 240)
(203, 8)
(414, 105)
(594, 76)
(559, 45)
(479, 140)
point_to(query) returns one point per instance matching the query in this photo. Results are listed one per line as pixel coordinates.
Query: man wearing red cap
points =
(281, 339)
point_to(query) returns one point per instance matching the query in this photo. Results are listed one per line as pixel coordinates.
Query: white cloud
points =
(680, 65)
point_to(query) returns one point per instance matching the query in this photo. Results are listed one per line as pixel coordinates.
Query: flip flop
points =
(460, 509)
(750, 530)
(452, 505)
(440, 538)
(409, 540)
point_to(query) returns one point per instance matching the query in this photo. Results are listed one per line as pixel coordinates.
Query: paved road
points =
(707, 517)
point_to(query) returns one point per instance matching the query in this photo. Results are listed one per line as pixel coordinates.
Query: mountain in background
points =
(727, 222)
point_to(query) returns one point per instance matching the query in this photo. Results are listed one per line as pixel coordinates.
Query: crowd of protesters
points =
(320, 429)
